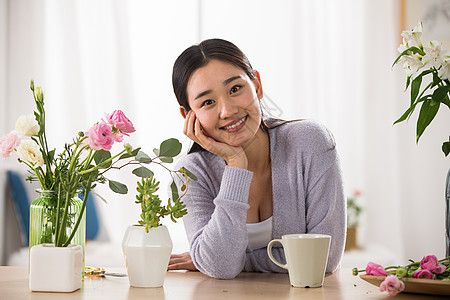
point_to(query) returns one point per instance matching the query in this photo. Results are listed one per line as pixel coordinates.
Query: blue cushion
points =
(21, 204)
(92, 226)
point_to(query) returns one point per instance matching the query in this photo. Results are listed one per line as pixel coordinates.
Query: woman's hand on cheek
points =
(233, 156)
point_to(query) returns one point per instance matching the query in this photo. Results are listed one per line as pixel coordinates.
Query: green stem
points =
(69, 192)
(86, 191)
(98, 166)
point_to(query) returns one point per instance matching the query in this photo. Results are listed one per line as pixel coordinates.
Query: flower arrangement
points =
(82, 164)
(428, 268)
(420, 61)
(354, 209)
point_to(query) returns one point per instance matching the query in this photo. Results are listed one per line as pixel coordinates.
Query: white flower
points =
(412, 65)
(27, 125)
(28, 151)
(444, 71)
(413, 37)
(432, 57)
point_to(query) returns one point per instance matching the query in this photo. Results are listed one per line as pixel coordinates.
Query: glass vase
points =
(43, 218)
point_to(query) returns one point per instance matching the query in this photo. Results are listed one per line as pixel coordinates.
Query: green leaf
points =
(100, 156)
(188, 173)
(440, 93)
(142, 157)
(142, 172)
(446, 147)
(156, 151)
(168, 160)
(407, 52)
(128, 155)
(170, 148)
(118, 187)
(415, 88)
(51, 154)
(408, 81)
(174, 190)
(427, 113)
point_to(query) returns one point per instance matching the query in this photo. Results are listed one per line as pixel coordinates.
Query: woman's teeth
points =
(235, 124)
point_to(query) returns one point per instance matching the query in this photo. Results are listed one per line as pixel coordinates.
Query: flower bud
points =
(39, 94)
(128, 148)
(32, 85)
(80, 133)
(401, 272)
(355, 271)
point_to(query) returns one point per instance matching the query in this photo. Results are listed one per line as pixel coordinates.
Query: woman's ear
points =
(258, 85)
(183, 112)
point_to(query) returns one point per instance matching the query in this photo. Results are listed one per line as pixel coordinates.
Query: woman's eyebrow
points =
(203, 94)
(227, 81)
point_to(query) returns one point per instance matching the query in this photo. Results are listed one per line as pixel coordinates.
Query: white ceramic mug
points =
(306, 257)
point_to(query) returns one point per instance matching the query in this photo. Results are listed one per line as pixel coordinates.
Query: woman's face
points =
(226, 102)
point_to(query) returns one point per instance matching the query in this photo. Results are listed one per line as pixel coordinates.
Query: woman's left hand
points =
(181, 261)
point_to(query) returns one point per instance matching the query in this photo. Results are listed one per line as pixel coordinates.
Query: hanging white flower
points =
(27, 125)
(412, 38)
(28, 151)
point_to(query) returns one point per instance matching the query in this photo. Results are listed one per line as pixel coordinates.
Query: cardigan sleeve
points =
(324, 199)
(216, 225)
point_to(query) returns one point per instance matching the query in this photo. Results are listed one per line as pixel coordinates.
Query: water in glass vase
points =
(44, 217)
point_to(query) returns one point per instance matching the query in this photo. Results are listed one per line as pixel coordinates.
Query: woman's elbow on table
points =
(219, 270)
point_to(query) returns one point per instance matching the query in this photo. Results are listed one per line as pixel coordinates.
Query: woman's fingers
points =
(181, 262)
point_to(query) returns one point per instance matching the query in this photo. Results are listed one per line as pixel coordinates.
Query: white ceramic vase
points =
(147, 255)
(55, 269)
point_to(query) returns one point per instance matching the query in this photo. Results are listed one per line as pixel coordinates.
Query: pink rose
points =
(432, 264)
(100, 136)
(8, 143)
(375, 270)
(118, 120)
(392, 285)
(426, 274)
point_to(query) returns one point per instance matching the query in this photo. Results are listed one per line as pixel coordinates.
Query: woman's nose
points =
(227, 109)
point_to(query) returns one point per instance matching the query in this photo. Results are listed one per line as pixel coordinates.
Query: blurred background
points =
(328, 60)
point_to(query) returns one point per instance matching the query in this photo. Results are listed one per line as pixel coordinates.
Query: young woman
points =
(257, 179)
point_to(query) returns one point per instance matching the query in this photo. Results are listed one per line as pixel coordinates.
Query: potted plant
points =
(57, 216)
(147, 246)
(354, 209)
(431, 62)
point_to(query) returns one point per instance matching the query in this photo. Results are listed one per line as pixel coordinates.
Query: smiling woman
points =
(252, 172)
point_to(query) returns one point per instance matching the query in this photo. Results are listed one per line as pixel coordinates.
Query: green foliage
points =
(151, 209)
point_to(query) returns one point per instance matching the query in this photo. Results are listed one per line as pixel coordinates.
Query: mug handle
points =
(269, 252)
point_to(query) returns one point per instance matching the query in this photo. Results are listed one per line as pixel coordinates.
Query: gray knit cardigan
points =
(308, 197)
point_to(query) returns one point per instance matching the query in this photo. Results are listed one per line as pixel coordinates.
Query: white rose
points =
(27, 125)
(29, 151)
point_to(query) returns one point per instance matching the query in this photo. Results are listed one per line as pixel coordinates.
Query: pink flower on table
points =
(425, 274)
(119, 121)
(432, 264)
(100, 136)
(8, 143)
(375, 270)
(392, 285)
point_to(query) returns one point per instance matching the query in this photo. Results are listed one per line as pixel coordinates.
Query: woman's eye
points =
(234, 89)
(207, 102)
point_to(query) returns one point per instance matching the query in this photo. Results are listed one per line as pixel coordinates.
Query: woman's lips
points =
(235, 126)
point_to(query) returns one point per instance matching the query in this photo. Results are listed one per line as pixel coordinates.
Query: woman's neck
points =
(258, 152)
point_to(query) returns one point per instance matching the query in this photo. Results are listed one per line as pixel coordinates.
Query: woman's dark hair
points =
(200, 55)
